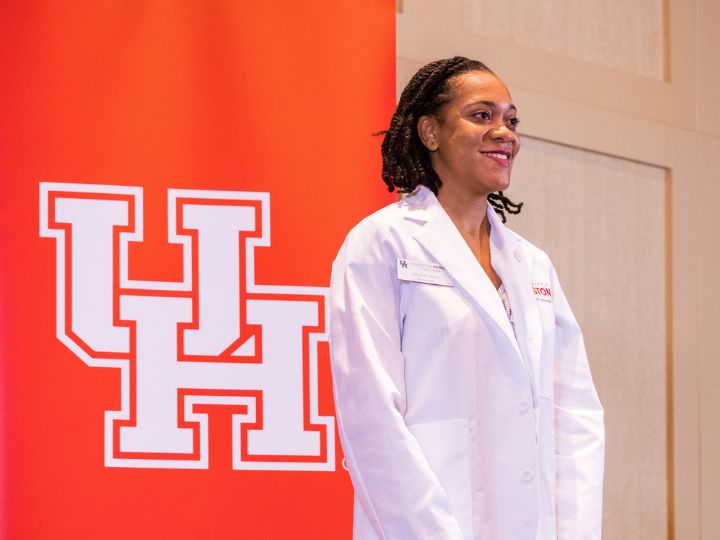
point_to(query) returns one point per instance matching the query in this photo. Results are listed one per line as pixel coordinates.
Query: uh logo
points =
(216, 338)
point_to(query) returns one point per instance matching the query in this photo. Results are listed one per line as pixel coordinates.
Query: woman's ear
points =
(427, 131)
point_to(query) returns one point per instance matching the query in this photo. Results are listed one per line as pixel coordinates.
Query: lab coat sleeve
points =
(579, 430)
(393, 482)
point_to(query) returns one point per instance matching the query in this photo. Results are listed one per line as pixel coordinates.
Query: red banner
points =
(175, 180)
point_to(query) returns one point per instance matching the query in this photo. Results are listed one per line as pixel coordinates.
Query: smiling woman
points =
(472, 142)
(464, 397)
(458, 83)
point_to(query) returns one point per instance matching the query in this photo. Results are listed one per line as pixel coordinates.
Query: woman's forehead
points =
(479, 86)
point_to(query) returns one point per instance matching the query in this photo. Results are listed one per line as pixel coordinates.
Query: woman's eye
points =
(483, 115)
(513, 122)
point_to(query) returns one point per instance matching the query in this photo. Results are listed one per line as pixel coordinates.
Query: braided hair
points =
(406, 161)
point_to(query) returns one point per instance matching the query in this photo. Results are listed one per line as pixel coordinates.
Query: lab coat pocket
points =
(445, 446)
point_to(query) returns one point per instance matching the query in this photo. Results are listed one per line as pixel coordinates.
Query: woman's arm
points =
(579, 430)
(395, 486)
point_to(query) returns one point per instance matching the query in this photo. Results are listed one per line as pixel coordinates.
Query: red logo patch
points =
(542, 292)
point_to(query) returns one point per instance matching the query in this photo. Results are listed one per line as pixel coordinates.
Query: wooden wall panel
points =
(602, 220)
(615, 33)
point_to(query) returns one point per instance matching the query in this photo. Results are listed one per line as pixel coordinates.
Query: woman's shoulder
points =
(397, 217)
(384, 235)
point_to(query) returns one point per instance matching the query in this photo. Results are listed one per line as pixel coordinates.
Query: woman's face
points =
(472, 140)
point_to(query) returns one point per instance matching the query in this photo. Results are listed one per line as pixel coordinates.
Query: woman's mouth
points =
(503, 158)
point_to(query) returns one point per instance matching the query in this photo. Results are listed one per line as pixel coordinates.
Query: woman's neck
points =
(469, 213)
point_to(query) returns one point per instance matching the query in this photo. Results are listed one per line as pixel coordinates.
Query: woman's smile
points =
(501, 157)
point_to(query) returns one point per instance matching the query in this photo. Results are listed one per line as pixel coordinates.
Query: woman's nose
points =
(501, 132)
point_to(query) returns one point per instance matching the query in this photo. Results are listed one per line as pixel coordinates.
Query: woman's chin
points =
(501, 186)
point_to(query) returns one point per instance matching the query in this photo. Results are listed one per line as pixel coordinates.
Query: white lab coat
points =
(452, 427)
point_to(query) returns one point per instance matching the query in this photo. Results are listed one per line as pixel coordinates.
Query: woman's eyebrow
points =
(491, 104)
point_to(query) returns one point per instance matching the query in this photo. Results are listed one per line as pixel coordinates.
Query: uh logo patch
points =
(216, 338)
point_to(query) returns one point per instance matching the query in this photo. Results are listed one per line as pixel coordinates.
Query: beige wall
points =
(602, 219)
(619, 108)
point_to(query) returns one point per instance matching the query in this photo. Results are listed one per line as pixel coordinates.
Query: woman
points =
(464, 398)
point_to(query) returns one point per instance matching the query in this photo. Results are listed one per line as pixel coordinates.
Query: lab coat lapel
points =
(443, 241)
(513, 263)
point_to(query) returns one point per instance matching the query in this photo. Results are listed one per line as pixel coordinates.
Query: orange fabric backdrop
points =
(277, 97)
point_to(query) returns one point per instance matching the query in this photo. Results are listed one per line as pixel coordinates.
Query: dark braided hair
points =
(406, 161)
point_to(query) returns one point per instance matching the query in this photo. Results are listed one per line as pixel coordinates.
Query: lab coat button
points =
(524, 407)
(527, 476)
